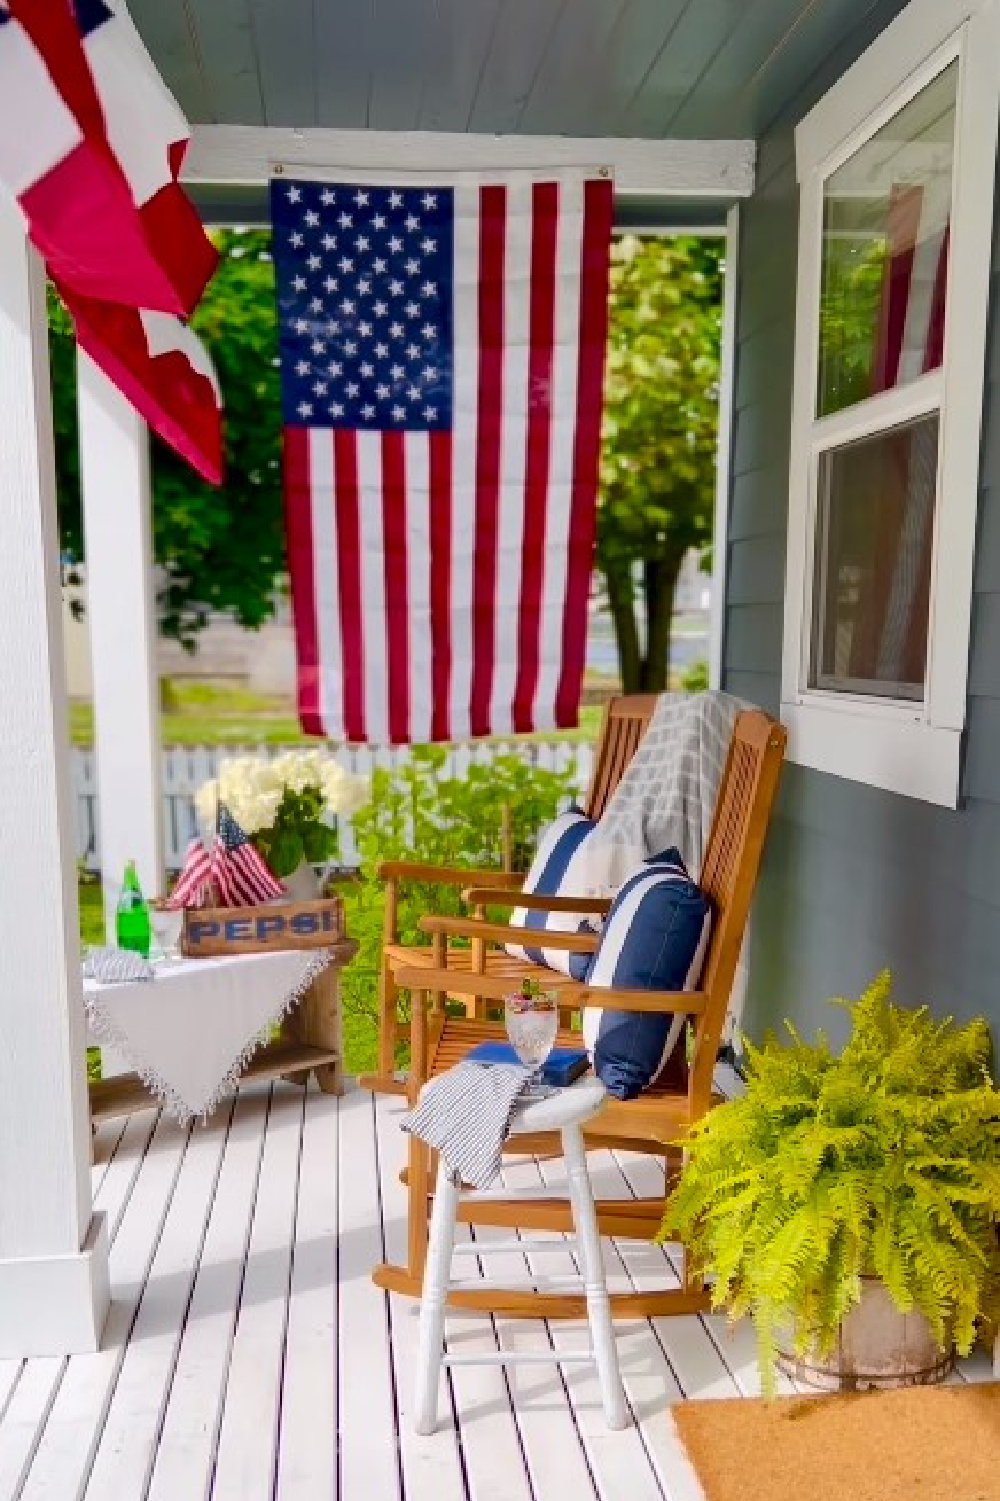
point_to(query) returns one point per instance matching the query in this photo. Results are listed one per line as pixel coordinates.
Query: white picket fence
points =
(185, 768)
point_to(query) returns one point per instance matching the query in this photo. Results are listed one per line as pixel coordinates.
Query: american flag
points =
(442, 361)
(236, 869)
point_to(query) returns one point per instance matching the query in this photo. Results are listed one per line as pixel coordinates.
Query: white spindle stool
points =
(563, 1112)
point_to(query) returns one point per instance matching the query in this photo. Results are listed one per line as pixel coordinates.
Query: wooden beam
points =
(248, 154)
(53, 1253)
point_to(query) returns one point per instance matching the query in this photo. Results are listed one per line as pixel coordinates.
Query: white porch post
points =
(53, 1253)
(117, 520)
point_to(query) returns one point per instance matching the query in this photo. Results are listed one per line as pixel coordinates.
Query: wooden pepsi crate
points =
(214, 931)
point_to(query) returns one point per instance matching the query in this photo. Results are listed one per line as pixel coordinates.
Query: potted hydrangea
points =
(284, 803)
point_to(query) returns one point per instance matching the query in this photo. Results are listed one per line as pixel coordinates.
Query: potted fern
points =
(850, 1204)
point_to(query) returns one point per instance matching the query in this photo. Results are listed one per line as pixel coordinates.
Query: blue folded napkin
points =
(561, 1067)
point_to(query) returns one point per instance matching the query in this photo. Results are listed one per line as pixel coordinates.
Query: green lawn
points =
(203, 713)
(207, 713)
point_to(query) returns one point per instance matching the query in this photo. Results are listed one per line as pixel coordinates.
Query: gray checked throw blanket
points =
(465, 1114)
(668, 793)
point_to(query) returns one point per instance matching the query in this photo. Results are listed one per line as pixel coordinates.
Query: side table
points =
(308, 1040)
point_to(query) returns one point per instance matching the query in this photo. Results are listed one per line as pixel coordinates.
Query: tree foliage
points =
(218, 549)
(660, 435)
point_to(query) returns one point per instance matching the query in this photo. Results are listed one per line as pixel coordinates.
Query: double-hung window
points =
(897, 168)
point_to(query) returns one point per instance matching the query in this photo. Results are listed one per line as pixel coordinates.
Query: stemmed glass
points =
(532, 1022)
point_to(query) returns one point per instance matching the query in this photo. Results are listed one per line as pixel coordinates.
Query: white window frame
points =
(902, 746)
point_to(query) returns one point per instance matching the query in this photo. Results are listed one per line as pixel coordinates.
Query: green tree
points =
(660, 434)
(218, 549)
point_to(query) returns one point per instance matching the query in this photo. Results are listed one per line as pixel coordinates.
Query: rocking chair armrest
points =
(417, 979)
(667, 1002)
(535, 901)
(496, 932)
(443, 875)
(568, 995)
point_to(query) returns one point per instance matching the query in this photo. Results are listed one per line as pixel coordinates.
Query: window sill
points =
(911, 758)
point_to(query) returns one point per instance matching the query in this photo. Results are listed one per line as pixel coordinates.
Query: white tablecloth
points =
(190, 1032)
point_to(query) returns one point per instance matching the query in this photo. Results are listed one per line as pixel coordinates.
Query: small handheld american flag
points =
(233, 866)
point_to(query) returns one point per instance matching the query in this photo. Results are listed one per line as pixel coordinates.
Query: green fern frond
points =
(884, 1161)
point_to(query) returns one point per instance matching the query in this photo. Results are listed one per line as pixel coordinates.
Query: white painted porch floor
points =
(248, 1356)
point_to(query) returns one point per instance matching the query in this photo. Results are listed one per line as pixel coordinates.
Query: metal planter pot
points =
(877, 1348)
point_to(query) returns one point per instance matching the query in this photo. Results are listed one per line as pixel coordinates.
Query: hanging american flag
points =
(442, 362)
(233, 870)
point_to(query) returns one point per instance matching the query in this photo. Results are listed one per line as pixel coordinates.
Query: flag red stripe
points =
(397, 604)
(489, 443)
(440, 529)
(544, 217)
(903, 229)
(934, 347)
(597, 211)
(345, 467)
(298, 529)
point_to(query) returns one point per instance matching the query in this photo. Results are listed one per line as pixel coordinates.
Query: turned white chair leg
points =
(598, 1304)
(437, 1271)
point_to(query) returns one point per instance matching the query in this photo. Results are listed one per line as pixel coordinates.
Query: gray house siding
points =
(854, 879)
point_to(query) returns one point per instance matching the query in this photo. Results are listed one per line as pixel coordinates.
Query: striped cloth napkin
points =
(465, 1115)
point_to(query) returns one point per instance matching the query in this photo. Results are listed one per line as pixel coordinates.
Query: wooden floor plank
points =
(73, 1428)
(185, 1455)
(131, 1426)
(431, 1464)
(367, 1411)
(249, 1433)
(24, 1420)
(307, 1444)
(104, 1145)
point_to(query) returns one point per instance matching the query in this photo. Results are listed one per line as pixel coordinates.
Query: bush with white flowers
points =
(283, 803)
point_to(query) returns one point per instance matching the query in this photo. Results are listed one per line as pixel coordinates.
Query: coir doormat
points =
(928, 1443)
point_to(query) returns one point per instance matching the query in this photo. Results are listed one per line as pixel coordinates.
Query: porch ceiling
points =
(689, 69)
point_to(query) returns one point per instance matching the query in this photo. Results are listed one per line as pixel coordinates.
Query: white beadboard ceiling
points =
(688, 69)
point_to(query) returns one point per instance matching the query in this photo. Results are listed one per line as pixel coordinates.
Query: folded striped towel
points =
(465, 1114)
(111, 966)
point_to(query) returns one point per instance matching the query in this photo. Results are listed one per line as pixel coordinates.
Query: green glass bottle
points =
(132, 925)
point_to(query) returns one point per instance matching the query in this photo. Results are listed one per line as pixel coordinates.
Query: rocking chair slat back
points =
(729, 875)
(624, 724)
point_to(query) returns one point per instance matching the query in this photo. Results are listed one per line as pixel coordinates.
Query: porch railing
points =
(186, 767)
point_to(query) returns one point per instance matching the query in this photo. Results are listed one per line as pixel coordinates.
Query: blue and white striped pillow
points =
(559, 868)
(654, 938)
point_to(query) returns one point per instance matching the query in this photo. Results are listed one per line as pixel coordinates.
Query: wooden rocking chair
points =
(663, 1113)
(624, 724)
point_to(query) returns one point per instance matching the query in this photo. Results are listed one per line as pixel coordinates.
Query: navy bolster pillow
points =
(558, 869)
(654, 938)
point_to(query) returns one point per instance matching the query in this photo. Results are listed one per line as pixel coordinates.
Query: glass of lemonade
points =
(532, 1023)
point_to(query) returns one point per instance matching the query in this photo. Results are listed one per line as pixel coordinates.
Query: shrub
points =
(417, 814)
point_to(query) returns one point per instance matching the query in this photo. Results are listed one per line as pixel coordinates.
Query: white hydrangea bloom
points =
(252, 787)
